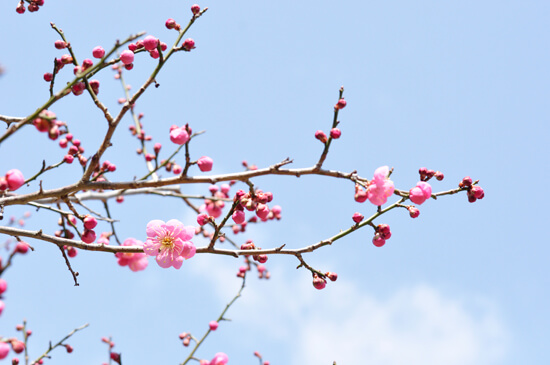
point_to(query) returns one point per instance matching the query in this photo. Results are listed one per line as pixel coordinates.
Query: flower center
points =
(167, 242)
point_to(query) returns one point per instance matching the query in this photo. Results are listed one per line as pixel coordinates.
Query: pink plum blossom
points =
(219, 359)
(213, 325)
(420, 193)
(15, 179)
(380, 187)
(136, 261)
(169, 242)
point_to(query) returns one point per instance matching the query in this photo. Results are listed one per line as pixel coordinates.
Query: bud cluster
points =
(249, 245)
(381, 234)
(475, 191)
(33, 6)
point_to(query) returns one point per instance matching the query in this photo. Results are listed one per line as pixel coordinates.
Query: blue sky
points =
(460, 87)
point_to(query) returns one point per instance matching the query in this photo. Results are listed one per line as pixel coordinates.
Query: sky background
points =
(460, 87)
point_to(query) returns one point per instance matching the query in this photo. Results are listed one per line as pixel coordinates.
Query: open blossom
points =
(380, 187)
(136, 261)
(169, 242)
(219, 359)
(420, 193)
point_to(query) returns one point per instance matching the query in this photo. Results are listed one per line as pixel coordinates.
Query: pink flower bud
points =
(219, 359)
(413, 212)
(195, 9)
(466, 182)
(22, 247)
(66, 59)
(127, 57)
(318, 282)
(3, 286)
(4, 347)
(150, 43)
(154, 54)
(87, 63)
(157, 148)
(14, 179)
(3, 183)
(88, 236)
(335, 133)
(262, 259)
(188, 44)
(78, 88)
(439, 175)
(69, 348)
(262, 211)
(420, 193)
(238, 217)
(357, 217)
(98, 52)
(332, 276)
(59, 44)
(90, 222)
(213, 325)
(177, 169)
(71, 251)
(20, 9)
(68, 159)
(179, 136)
(205, 163)
(341, 104)
(321, 136)
(477, 191)
(48, 77)
(202, 219)
(378, 241)
(17, 346)
(170, 23)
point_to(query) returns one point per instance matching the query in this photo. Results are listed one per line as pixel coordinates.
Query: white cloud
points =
(414, 326)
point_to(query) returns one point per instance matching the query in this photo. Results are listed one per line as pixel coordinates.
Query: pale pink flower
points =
(219, 359)
(136, 261)
(380, 187)
(420, 193)
(169, 242)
